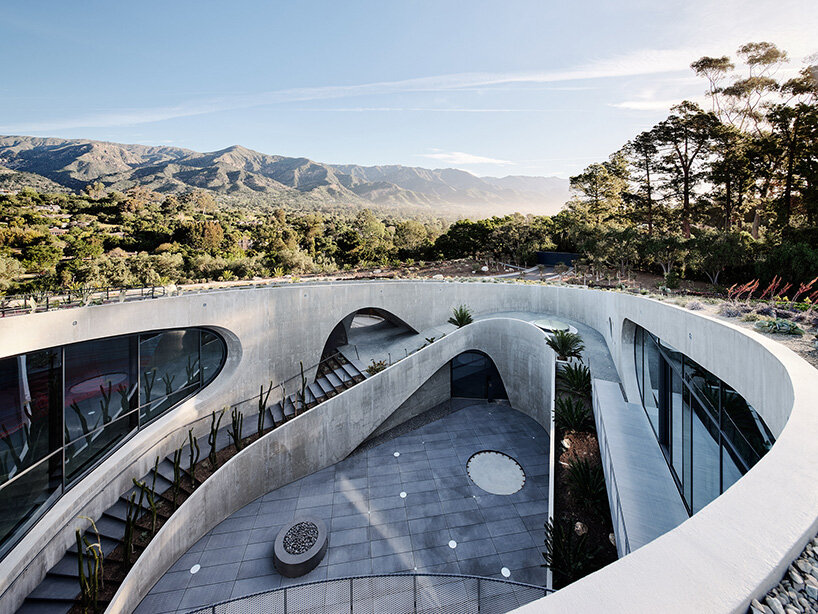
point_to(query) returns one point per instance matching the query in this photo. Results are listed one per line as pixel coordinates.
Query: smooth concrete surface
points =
(436, 390)
(372, 529)
(329, 432)
(735, 549)
(643, 497)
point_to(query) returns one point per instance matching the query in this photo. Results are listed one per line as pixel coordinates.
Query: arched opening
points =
(474, 376)
(367, 329)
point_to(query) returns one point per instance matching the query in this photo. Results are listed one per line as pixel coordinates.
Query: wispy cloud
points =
(459, 158)
(637, 63)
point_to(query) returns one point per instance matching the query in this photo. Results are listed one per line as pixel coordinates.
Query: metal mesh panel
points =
(387, 594)
(449, 594)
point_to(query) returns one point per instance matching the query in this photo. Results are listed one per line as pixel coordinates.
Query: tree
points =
(668, 251)
(598, 190)
(714, 251)
(686, 137)
(42, 254)
(642, 155)
(10, 270)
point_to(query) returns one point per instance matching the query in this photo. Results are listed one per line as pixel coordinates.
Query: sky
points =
(509, 87)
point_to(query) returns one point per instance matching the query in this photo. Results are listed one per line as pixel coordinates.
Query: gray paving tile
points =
(354, 521)
(427, 523)
(430, 557)
(474, 549)
(512, 542)
(470, 533)
(345, 554)
(222, 556)
(216, 574)
(172, 581)
(504, 527)
(400, 562)
(160, 603)
(258, 551)
(392, 545)
(465, 518)
(423, 509)
(483, 566)
(389, 530)
(362, 567)
(258, 584)
(350, 536)
(458, 505)
(519, 559)
(387, 516)
(254, 568)
(431, 539)
(205, 595)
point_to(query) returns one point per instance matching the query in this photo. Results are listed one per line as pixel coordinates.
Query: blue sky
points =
(530, 87)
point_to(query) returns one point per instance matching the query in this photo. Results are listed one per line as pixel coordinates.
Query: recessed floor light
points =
(195, 568)
(452, 544)
(396, 454)
(402, 495)
(505, 572)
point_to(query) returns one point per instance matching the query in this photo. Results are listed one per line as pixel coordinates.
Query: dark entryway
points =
(474, 376)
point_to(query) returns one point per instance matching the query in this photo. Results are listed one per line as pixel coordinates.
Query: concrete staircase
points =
(58, 591)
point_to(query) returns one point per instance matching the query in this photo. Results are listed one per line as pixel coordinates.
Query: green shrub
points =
(576, 378)
(573, 415)
(376, 367)
(586, 481)
(569, 556)
(566, 344)
(461, 316)
(782, 327)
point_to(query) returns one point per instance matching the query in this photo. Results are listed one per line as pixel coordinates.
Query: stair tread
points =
(34, 605)
(350, 370)
(334, 380)
(317, 391)
(343, 375)
(56, 587)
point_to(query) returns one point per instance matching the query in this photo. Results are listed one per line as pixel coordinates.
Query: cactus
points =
(194, 458)
(262, 406)
(150, 495)
(211, 438)
(130, 521)
(303, 390)
(105, 403)
(83, 422)
(191, 370)
(236, 422)
(149, 378)
(91, 570)
(177, 473)
(168, 379)
(124, 401)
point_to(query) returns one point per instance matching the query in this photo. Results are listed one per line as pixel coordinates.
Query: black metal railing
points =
(388, 593)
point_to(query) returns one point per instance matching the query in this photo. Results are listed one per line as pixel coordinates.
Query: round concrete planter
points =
(295, 565)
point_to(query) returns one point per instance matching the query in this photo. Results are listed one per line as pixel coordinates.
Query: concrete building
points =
(708, 435)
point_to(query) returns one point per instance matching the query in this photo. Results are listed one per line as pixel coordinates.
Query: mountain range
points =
(239, 174)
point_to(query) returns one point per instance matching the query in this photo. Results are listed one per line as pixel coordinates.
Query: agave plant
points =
(567, 555)
(586, 481)
(573, 415)
(566, 344)
(461, 316)
(576, 378)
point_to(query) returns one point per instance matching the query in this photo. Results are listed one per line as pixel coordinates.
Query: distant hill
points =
(239, 172)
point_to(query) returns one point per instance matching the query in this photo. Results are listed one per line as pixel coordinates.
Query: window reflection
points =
(80, 401)
(711, 436)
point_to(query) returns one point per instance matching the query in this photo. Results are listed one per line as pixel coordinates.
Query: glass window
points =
(652, 376)
(100, 388)
(213, 354)
(85, 397)
(169, 370)
(30, 392)
(706, 460)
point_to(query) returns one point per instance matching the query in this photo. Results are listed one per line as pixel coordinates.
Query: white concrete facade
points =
(733, 550)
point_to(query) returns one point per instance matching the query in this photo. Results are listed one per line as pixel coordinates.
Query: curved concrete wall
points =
(734, 549)
(331, 431)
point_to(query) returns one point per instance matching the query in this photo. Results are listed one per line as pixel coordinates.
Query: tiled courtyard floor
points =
(372, 528)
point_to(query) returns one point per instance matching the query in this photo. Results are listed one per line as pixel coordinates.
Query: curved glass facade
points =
(62, 410)
(709, 434)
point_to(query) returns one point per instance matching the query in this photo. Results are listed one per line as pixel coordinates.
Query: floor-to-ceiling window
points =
(710, 435)
(63, 409)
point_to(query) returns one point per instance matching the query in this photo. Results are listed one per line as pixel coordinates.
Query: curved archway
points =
(475, 376)
(368, 324)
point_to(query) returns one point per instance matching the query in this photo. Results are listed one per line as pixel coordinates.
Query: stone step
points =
(33, 605)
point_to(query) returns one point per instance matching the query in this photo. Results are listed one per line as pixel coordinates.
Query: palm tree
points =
(566, 344)
(461, 316)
